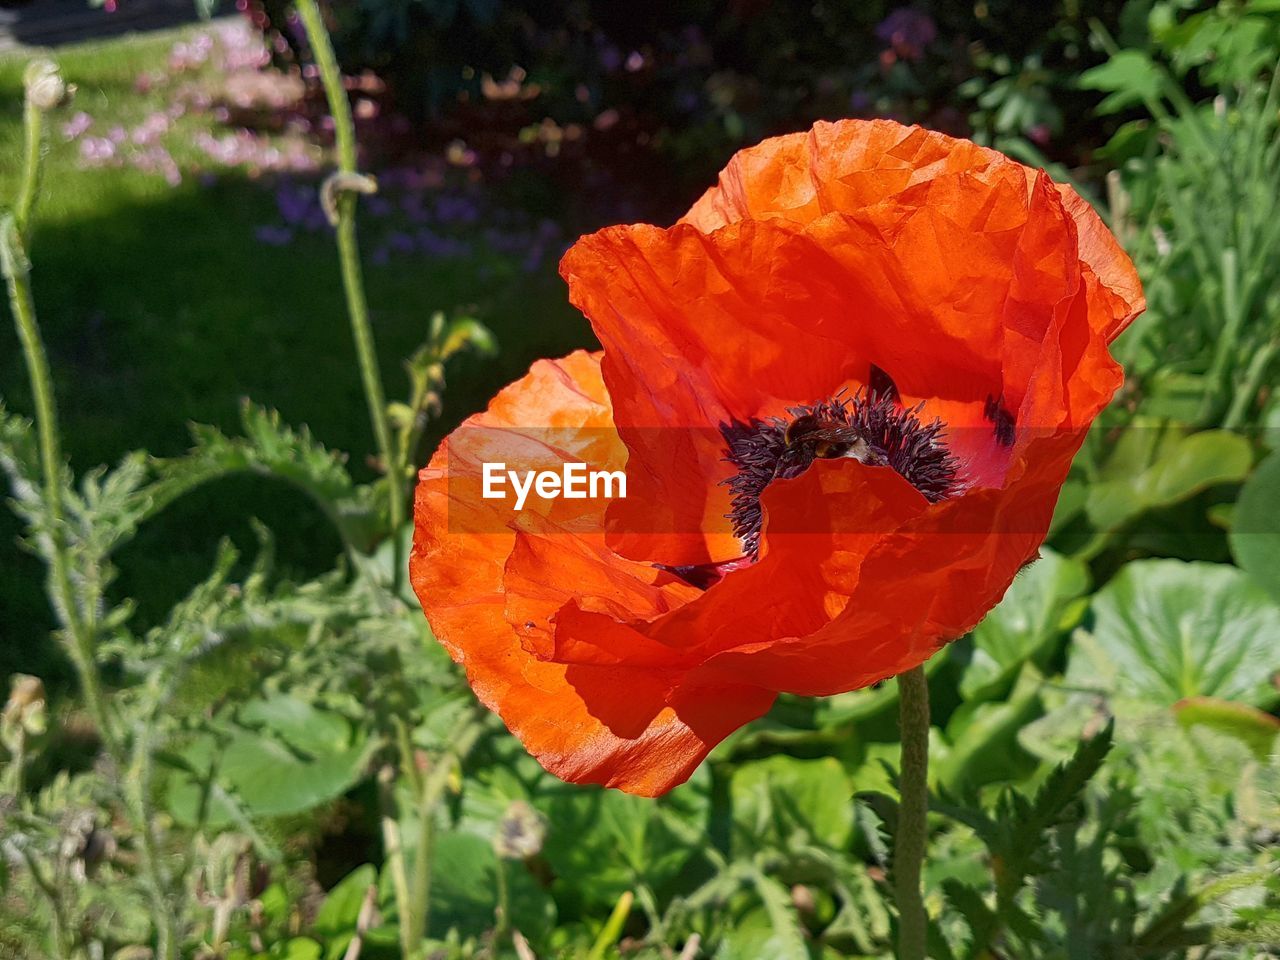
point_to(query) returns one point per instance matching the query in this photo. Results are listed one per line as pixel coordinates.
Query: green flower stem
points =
(77, 627)
(32, 122)
(13, 262)
(908, 854)
(60, 933)
(433, 786)
(349, 262)
(502, 915)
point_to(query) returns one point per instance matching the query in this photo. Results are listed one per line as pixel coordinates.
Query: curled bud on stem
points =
(46, 89)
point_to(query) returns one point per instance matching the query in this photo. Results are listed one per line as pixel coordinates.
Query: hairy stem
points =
(349, 262)
(78, 628)
(908, 855)
(32, 123)
(432, 790)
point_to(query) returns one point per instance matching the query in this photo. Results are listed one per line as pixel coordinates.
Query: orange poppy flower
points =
(845, 390)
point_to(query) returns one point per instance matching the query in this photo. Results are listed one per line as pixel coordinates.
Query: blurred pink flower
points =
(77, 125)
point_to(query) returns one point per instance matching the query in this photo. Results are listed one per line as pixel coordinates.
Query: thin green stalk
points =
(908, 855)
(502, 918)
(1255, 376)
(432, 790)
(78, 631)
(32, 122)
(349, 262)
(138, 794)
(13, 263)
(612, 929)
(393, 848)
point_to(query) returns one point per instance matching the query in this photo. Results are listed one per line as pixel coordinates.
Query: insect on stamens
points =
(872, 428)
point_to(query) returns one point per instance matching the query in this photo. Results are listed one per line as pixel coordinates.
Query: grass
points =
(159, 308)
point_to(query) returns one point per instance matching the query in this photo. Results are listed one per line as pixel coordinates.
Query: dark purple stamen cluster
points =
(995, 411)
(870, 427)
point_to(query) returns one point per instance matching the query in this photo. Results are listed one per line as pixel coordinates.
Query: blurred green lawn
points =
(159, 307)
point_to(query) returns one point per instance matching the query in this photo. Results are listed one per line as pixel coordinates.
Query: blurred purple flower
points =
(273, 235)
(77, 125)
(907, 31)
(456, 210)
(151, 129)
(97, 150)
(294, 203)
(610, 57)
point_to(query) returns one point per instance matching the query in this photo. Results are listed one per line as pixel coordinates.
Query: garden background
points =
(229, 732)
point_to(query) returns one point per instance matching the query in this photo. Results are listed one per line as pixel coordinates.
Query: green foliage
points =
(1038, 609)
(289, 767)
(1163, 630)
(1195, 202)
(269, 448)
(1255, 527)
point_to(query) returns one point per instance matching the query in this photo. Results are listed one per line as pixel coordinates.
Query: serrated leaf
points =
(271, 448)
(780, 798)
(787, 941)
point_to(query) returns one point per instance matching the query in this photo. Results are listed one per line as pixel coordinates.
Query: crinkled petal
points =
(621, 723)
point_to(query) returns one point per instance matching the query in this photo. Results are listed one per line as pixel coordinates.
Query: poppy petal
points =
(570, 716)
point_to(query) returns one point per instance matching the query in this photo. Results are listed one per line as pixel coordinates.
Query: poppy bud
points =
(520, 832)
(46, 90)
(25, 708)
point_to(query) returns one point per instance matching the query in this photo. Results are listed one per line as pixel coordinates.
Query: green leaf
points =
(284, 756)
(1253, 727)
(341, 908)
(1035, 612)
(780, 801)
(1164, 630)
(464, 889)
(1129, 76)
(604, 842)
(1255, 526)
(271, 448)
(753, 936)
(984, 736)
(1183, 468)
(299, 948)
(786, 941)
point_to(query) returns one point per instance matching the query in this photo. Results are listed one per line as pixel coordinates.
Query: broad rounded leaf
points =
(1255, 526)
(341, 908)
(1165, 630)
(1255, 728)
(1034, 612)
(464, 889)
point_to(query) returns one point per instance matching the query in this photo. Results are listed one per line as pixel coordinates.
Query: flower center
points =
(871, 427)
